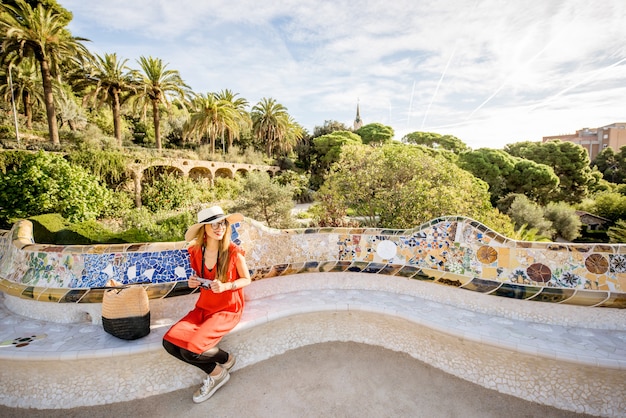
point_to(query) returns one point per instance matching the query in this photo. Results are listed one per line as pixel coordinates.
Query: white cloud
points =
(489, 72)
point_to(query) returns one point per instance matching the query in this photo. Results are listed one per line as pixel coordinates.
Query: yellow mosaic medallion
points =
(597, 264)
(487, 254)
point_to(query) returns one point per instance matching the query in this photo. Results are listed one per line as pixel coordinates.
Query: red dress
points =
(215, 314)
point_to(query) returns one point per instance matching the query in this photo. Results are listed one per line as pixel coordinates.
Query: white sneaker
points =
(230, 362)
(210, 386)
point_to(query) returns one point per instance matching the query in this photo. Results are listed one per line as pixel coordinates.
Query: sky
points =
(489, 72)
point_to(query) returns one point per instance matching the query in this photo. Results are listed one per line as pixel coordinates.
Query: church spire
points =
(358, 122)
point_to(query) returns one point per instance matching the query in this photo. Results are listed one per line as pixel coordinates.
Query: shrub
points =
(400, 186)
(169, 191)
(40, 183)
(564, 220)
(110, 166)
(524, 212)
(52, 228)
(299, 183)
(158, 227)
(617, 233)
(46, 226)
(266, 201)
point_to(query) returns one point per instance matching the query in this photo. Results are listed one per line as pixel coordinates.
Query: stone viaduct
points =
(194, 169)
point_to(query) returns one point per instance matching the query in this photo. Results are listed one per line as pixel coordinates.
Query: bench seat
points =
(498, 343)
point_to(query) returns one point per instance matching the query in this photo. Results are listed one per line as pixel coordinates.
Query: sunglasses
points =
(219, 225)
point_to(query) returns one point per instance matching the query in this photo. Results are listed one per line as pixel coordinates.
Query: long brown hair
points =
(222, 252)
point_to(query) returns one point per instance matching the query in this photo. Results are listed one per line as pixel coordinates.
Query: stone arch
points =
(198, 173)
(153, 172)
(224, 173)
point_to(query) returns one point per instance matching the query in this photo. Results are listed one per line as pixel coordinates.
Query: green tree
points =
(610, 205)
(401, 186)
(528, 215)
(270, 123)
(212, 117)
(40, 33)
(329, 127)
(565, 222)
(436, 141)
(536, 181)
(507, 174)
(241, 115)
(109, 166)
(299, 183)
(35, 184)
(69, 108)
(607, 162)
(492, 166)
(113, 83)
(294, 134)
(326, 150)
(63, 14)
(612, 164)
(169, 191)
(569, 161)
(617, 233)
(27, 89)
(375, 133)
(266, 201)
(157, 86)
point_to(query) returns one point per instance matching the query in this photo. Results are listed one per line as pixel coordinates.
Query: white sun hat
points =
(210, 215)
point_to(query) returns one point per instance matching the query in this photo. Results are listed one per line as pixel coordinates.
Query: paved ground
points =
(326, 380)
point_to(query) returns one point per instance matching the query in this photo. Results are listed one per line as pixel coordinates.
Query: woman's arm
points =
(243, 280)
(244, 273)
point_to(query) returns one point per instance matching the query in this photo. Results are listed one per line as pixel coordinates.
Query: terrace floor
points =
(339, 379)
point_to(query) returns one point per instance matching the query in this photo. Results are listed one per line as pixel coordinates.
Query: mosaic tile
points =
(409, 271)
(514, 291)
(449, 249)
(481, 285)
(75, 295)
(553, 295)
(587, 298)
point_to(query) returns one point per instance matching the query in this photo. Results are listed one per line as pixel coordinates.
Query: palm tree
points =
(156, 85)
(293, 136)
(69, 108)
(40, 33)
(26, 88)
(270, 123)
(113, 83)
(212, 116)
(241, 114)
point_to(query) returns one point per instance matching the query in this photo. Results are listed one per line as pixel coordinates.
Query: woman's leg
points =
(173, 350)
(205, 361)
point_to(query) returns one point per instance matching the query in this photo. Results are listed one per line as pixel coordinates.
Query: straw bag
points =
(125, 311)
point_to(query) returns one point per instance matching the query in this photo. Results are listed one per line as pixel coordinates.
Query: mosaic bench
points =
(366, 290)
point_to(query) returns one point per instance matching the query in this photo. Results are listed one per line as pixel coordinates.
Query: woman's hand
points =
(193, 282)
(219, 287)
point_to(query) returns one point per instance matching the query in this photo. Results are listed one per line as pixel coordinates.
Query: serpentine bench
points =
(556, 334)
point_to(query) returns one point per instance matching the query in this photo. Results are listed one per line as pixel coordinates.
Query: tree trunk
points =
(155, 118)
(28, 109)
(137, 182)
(53, 129)
(117, 128)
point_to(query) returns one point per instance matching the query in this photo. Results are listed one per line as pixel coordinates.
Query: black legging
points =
(205, 361)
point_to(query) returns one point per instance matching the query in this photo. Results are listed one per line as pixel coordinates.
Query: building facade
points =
(594, 140)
